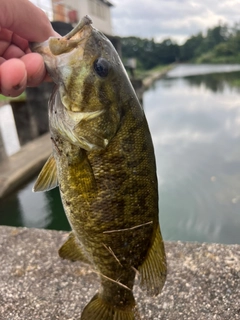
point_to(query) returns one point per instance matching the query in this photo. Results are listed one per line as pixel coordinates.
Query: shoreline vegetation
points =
(218, 45)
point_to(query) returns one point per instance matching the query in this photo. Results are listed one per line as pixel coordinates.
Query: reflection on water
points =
(33, 210)
(195, 124)
(32, 216)
(184, 70)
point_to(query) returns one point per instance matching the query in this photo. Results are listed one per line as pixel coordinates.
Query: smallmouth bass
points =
(103, 162)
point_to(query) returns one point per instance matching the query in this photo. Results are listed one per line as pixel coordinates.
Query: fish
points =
(104, 165)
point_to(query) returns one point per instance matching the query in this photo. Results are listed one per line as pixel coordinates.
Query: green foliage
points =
(198, 45)
(221, 44)
(149, 53)
(227, 51)
(190, 49)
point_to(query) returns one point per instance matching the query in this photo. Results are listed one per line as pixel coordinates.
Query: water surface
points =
(195, 125)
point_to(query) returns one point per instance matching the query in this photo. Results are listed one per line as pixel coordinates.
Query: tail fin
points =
(97, 309)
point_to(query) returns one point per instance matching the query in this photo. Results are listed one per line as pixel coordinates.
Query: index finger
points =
(9, 39)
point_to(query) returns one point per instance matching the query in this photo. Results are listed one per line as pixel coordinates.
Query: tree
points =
(189, 49)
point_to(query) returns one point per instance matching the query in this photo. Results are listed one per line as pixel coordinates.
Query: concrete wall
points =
(96, 9)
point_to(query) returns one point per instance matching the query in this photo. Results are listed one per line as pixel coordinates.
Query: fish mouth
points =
(59, 45)
(85, 21)
(54, 47)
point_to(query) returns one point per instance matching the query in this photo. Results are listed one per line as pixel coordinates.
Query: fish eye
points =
(101, 67)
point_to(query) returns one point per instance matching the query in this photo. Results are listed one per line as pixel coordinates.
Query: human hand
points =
(21, 22)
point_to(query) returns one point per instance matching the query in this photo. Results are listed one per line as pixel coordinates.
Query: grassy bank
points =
(211, 58)
(141, 73)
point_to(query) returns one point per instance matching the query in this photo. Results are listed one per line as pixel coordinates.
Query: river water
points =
(194, 117)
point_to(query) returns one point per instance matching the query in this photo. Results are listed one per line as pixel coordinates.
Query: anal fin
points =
(47, 178)
(71, 250)
(153, 271)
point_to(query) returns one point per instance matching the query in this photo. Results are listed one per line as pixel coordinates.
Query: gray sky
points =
(177, 19)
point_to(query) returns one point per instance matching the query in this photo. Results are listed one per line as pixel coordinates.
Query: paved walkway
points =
(21, 166)
(203, 280)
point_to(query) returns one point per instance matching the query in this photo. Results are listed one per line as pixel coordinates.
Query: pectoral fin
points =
(82, 176)
(47, 178)
(153, 271)
(71, 250)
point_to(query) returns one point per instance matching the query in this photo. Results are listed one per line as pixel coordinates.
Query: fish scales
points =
(103, 162)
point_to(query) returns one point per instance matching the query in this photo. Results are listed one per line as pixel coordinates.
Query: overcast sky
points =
(177, 19)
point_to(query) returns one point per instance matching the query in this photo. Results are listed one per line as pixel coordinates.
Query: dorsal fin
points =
(47, 178)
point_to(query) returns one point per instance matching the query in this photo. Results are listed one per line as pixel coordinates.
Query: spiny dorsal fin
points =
(47, 178)
(153, 271)
(71, 250)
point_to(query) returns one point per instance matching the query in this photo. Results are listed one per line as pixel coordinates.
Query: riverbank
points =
(156, 74)
(144, 79)
(24, 164)
(203, 280)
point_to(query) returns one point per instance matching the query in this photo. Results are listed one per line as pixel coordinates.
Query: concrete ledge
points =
(155, 75)
(203, 281)
(21, 166)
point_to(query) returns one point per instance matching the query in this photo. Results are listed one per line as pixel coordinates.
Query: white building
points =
(73, 10)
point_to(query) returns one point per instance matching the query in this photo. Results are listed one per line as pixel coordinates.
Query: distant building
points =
(71, 11)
